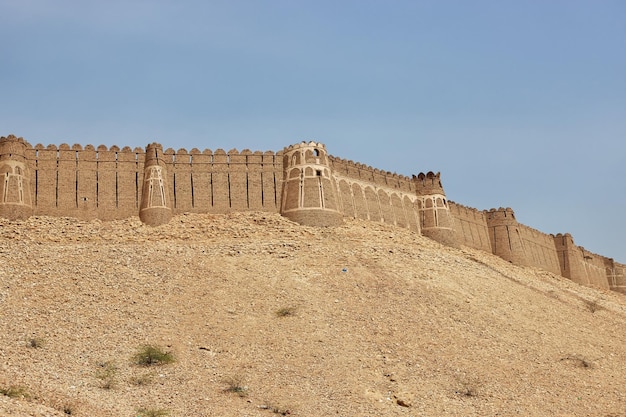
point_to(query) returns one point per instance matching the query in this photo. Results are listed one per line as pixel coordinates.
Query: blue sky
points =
(517, 103)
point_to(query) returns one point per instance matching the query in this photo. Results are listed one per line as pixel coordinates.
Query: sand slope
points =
(376, 321)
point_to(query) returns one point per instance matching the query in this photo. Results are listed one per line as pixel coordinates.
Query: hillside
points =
(359, 320)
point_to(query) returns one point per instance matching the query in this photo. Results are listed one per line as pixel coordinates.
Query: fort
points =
(301, 182)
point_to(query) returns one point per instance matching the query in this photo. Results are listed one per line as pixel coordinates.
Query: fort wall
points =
(471, 227)
(584, 267)
(616, 273)
(540, 249)
(302, 182)
(221, 182)
(520, 244)
(85, 182)
(107, 183)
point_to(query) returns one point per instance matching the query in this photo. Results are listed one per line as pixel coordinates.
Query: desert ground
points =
(265, 317)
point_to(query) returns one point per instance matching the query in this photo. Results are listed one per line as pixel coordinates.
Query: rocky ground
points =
(265, 317)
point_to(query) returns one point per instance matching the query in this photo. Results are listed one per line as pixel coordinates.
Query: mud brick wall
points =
(471, 226)
(221, 182)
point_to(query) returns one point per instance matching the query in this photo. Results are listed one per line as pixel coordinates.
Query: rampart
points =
(302, 182)
(371, 194)
(471, 227)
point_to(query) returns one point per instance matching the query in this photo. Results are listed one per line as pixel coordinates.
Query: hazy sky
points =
(517, 103)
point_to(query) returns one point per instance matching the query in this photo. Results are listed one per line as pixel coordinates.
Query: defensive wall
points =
(302, 182)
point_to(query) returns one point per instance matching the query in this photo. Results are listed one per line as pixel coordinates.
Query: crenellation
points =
(301, 181)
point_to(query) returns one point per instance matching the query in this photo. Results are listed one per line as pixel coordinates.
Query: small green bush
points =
(36, 342)
(593, 305)
(141, 380)
(68, 409)
(276, 409)
(236, 386)
(107, 373)
(149, 355)
(152, 412)
(14, 391)
(286, 312)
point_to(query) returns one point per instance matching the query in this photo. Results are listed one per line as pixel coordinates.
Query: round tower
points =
(571, 259)
(505, 236)
(436, 221)
(15, 192)
(155, 206)
(309, 194)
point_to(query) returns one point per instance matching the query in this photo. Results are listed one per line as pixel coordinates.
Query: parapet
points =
(429, 183)
(304, 145)
(501, 216)
(11, 146)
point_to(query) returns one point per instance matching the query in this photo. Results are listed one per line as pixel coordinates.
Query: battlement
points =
(12, 145)
(305, 145)
(302, 182)
(361, 172)
(501, 213)
(429, 183)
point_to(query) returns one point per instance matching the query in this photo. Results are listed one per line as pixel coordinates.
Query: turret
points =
(155, 206)
(505, 236)
(436, 221)
(309, 194)
(582, 266)
(15, 192)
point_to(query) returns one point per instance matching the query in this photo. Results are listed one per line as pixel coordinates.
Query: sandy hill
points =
(265, 317)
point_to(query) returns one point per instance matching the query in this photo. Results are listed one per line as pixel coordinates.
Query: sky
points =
(518, 104)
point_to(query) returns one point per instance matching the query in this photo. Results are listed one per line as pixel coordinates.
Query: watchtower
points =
(15, 191)
(309, 194)
(505, 235)
(436, 221)
(155, 206)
